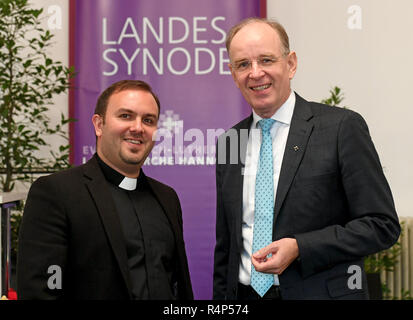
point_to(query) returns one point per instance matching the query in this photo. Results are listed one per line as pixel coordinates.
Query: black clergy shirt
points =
(149, 238)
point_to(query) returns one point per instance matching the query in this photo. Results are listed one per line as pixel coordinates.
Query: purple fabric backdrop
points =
(178, 47)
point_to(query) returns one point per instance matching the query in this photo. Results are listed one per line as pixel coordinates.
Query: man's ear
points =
(97, 121)
(233, 74)
(292, 64)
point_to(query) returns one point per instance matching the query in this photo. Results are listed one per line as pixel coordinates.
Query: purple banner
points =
(178, 47)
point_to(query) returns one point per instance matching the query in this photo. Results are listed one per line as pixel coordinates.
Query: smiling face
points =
(124, 133)
(265, 85)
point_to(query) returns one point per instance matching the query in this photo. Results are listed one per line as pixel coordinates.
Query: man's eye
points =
(124, 116)
(243, 64)
(267, 61)
(149, 121)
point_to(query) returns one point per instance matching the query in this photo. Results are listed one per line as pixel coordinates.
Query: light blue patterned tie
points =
(264, 206)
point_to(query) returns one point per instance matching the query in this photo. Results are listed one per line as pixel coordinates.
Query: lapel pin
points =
(296, 148)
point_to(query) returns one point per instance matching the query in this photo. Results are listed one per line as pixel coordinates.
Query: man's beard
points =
(132, 160)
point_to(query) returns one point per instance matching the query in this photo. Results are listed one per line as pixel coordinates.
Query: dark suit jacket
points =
(70, 221)
(332, 197)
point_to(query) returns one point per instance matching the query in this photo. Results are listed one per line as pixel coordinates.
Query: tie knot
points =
(266, 124)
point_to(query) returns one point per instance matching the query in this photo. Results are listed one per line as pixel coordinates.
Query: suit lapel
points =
(243, 131)
(100, 193)
(298, 136)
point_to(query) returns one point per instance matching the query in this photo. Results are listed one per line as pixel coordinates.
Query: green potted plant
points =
(376, 263)
(29, 80)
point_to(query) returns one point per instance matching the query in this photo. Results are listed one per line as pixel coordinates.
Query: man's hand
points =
(284, 251)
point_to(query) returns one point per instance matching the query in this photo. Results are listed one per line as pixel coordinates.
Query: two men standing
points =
(309, 201)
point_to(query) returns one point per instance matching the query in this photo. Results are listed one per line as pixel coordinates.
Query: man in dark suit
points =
(296, 226)
(104, 230)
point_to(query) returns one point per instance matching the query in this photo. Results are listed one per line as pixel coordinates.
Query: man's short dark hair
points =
(102, 103)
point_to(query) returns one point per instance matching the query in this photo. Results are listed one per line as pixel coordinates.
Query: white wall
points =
(373, 65)
(55, 18)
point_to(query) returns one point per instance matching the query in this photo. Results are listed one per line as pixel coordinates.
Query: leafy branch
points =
(29, 80)
(336, 97)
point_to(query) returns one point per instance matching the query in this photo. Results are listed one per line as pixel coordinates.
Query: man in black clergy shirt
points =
(104, 230)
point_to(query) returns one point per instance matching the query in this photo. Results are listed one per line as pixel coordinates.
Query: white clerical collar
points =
(128, 184)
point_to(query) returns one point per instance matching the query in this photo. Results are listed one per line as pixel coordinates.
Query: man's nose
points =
(256, 70)
(137, 126)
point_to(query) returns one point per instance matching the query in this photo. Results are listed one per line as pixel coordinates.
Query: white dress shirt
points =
(279, 134)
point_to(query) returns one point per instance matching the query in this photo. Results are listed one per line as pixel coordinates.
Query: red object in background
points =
(12, 295)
